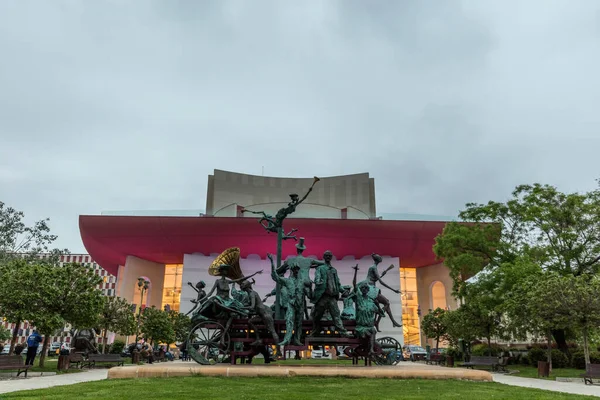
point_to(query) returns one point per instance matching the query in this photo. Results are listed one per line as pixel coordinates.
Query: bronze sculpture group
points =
(234, 315)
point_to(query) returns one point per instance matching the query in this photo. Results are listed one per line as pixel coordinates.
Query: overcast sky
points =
(124, 105)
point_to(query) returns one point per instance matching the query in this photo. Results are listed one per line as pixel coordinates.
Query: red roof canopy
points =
(110, 239)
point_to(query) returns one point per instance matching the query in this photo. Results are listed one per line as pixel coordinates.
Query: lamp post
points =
(143, 287)
(419, 317)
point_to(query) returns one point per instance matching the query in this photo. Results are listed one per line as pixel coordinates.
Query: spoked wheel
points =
(208, 343)
(391, 351)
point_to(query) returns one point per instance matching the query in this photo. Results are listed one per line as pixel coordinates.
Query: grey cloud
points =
(130, 105)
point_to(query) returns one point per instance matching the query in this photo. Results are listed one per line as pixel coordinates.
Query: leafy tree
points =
(65, 295)
(4, 334)
(539, 227)
(459, 327)
(156, 326)
(18, 241)
(181, 325)
(116, 316)
(434, 325)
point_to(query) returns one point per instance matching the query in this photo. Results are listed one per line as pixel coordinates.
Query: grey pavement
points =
(43, 382)
(564, 387)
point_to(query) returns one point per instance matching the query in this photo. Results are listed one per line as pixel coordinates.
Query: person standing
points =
(33, 343)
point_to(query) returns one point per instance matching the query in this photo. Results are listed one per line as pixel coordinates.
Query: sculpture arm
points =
(354, 279)
(385, 272)
(192, 286)
(385, 285)
(212, 290)
(274, 275)
(316, 263)
(243, 278)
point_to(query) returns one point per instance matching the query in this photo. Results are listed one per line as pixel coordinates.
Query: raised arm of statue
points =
(355, 268)
(193, 287)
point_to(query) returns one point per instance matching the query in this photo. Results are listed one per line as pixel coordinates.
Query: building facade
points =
(171, 249)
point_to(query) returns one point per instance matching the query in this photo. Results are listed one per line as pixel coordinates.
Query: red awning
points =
(110, 239)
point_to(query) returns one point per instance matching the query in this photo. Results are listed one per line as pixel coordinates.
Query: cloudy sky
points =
(124, 105)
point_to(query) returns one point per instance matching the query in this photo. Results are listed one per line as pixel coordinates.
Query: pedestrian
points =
(33, 342)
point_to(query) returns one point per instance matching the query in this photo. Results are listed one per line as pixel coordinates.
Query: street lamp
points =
(143, 287)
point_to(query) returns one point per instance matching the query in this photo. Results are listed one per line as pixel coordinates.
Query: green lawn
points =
(531, 372)
(299, 388)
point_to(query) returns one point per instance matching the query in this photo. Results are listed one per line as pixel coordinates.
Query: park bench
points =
(94, 359)
(483, 361)
(435, 359)
(77, 359)
(14, 363)
(592, 372)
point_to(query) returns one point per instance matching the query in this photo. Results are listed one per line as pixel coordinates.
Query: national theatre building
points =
(171, 248)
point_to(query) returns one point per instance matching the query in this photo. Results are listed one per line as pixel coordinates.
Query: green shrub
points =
(117, 347)
(482, 350)
(536, 354)
(454, 353)
(578, 359)
(559, 359)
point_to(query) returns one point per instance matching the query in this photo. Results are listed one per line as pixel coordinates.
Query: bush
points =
(117, 347)
(578, 359)
(482, 350)
(454, 353)
(536, 354)
(559, 359)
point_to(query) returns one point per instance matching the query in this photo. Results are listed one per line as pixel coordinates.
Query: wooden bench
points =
(482, 361)
(77, 359)
(436, 359)
(93, 359)
(14, 362)
(591, 372)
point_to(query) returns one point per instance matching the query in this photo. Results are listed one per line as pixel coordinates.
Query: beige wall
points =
(426, 277)
(128, 279)
(225, 188)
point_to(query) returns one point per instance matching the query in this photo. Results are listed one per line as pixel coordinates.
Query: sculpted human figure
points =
(259, 312)
(373, 277)
(348, 313)
(304, 264)
(366, 310)
(326, 295)
(201, 295)
(293, 296)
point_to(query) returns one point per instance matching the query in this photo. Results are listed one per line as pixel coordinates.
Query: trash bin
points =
(449, 361)
(135, 357)
(543, 369)
(63, 362)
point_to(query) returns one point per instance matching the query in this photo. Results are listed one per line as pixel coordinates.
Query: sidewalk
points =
(43, 382)
(564, 387)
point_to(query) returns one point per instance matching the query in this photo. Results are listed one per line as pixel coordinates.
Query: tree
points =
(554, 231)
(156, 327)
(65, 295)
(4, 334)
(458, 327)
(181, 325)
(434, 325)
(116, 316)
(26, 243)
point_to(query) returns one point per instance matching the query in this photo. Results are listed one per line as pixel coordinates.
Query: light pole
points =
(143, 287)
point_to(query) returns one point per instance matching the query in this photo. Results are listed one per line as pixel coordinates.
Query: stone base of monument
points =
(401, 371)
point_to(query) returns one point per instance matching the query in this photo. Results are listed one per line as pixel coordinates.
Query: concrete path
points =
(43, 382)
(564, 387)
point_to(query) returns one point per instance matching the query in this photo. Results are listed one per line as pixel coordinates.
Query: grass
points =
(287, 388)
(527, 371)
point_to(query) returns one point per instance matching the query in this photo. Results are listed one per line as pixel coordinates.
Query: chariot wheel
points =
(208, 343)
(391, 351)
